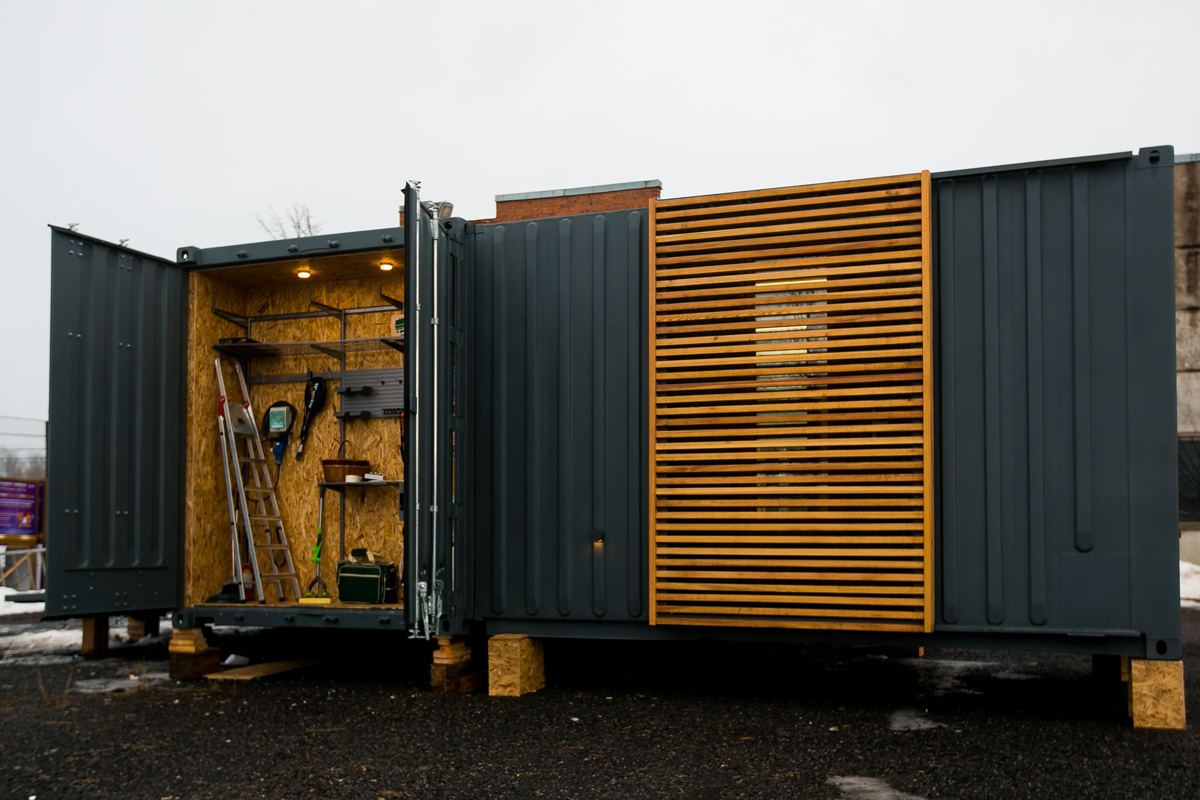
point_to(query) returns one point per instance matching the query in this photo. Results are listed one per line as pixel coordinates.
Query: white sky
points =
(175, 123)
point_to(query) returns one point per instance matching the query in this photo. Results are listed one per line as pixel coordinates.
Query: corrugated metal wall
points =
(114, 476)
(1055, 374)
(559, 418)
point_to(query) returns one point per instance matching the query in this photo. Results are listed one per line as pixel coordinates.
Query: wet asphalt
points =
(617, 720)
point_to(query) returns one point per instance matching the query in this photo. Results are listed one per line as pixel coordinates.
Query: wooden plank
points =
(725, 514)
(903, 299)
(803, 270)
(773, 467)
(859, 613)
(769, 492)
(899, 181)
(783, 351)
(784, 599)
(770, 575)
(805, 293)
(791, 526)
(766, 266)
(672, 345)
(842, 563)
(255, 671)
(653, 435)
(815, 440)
(927, 370)
(824, 539)
(778, 326)
(801, 201)
(790, 588)
(810, 368)
(695, 238)
(851, 501)
(759, 236)
(824, 625)
(736, 257)
(756, 429)
(808, 552)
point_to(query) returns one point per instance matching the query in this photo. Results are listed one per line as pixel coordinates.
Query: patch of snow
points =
(857, 788)
(9, 607)
(1189, 584)
(910, 719)
(129, 683)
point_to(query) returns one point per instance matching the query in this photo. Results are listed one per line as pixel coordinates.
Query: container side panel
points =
(1055, 376)
(559, 396)
(115, 460)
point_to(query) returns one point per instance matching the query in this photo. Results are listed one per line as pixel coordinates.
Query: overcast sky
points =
(175, 123)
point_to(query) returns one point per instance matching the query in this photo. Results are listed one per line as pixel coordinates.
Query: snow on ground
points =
(1189, 584)
(9, 607)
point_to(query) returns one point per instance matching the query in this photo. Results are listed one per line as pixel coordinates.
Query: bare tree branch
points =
(297, 221)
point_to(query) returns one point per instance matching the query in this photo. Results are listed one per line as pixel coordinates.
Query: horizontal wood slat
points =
(791, 411)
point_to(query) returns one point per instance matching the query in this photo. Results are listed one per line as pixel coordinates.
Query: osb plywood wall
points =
(371, 514)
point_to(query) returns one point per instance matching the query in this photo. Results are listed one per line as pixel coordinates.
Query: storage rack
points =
(337, 349)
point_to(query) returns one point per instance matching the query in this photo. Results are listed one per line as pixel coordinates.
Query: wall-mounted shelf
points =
(333, 349)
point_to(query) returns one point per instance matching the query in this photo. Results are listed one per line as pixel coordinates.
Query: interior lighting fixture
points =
(387, 265)
(303, 274)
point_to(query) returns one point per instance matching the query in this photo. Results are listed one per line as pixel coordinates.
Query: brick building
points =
(582, 200)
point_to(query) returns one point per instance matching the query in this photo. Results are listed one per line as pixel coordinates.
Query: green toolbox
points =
(366, 578)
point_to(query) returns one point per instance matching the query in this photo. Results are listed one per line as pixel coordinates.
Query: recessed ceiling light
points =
(386, 265)
(303, 273)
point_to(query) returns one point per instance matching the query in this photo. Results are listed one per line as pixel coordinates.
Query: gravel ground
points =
(618, 720)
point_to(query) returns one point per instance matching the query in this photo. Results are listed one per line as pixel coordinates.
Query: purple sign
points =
(20, 508)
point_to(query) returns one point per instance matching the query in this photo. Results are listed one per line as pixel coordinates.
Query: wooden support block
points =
(95, 637)
(453, 670)
(187, 640)
(1106, 668)
(136, 629)
(515, 665)
(193, 666)
(461, 684)
(1156, 694)
(140, 627)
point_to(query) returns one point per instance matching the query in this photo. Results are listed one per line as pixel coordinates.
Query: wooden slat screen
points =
(791, 417)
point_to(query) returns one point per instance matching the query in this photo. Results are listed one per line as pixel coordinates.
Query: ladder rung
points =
(264, 518)
(275, 576)
(259, 490)
(271, 546)
(244, 460)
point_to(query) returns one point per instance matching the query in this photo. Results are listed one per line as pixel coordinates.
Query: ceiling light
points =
(387, 265)
(303, 273)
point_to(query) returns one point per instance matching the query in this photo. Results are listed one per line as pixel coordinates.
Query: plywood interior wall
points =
(791, 408)
(371, 514)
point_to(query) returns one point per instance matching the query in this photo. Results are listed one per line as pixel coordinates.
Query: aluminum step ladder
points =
(256, 507)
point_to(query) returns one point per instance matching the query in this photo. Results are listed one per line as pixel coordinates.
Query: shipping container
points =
(927, 409)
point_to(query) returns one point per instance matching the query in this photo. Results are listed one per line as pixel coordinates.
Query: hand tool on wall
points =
(314, 401)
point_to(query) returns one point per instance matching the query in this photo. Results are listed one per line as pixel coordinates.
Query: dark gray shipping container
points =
(1056, 476)
(1054, 445)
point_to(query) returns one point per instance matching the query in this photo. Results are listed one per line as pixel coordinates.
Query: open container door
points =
(437, 568)
(421, 600)
(115, 442)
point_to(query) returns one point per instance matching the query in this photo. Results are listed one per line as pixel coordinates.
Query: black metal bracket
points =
(397, 304)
